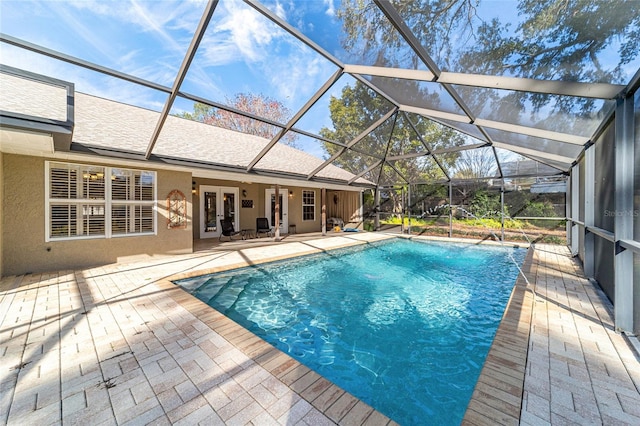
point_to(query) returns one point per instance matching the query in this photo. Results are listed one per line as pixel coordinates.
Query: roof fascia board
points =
(61, 131)
(99, 155)
(182, 72)
(293, 31)
(310, 103)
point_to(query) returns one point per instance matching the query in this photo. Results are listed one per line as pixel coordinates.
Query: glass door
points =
(270, 208)
(216, 204)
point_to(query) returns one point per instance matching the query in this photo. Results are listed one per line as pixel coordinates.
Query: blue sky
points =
(242, 51)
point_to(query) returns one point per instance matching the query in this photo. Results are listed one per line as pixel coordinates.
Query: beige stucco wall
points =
(256, 192)
(23, 233)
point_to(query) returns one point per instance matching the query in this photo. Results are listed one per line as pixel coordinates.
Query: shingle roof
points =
(103, 123)
(114, 125)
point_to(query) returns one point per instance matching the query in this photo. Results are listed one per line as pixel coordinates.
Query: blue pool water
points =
(403, 325)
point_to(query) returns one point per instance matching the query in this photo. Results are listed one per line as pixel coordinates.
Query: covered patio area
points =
(120, 344)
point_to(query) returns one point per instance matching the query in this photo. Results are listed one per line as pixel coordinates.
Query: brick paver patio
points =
(120, 344)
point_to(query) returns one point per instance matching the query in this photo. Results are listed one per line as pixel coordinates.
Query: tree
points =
(358, 108)
(258, 105)
(556, 39)
(475, 164)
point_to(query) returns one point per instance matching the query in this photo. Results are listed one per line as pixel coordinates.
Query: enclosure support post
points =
(502, 210)
(409, 206)
(624, 213)
(376, 209)
(450, 209)
(589, 209)
(276, 235)
(402, 207)
(575, 208)
(323, 218)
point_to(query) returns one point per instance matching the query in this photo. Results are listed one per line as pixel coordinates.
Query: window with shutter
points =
(86, 201)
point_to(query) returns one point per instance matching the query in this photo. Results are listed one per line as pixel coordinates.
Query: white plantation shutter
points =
(132, 195)
(82, 200)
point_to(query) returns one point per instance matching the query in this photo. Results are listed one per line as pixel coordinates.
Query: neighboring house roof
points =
(102, 123)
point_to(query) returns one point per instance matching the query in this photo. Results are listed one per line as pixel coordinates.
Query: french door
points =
(270, 208)
(217, 203)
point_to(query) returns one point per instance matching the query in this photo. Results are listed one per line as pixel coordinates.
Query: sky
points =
(241, 52)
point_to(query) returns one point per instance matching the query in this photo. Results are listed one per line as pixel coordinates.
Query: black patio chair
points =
(227, 229)
(262, 226)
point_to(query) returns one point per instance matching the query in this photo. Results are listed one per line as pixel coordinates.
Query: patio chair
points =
(227, 229)
(262, 226)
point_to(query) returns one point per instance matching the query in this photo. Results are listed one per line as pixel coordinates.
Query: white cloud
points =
(85, 81)
(331, 10)
(280, 11)
(86, 33)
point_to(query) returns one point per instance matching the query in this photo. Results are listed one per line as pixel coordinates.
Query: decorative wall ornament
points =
(176, 210)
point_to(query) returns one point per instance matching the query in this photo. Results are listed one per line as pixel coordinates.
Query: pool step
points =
(225, 297)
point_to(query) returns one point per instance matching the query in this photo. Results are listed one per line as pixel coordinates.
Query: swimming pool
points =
(403, 325)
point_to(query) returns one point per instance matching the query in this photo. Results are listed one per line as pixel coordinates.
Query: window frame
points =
(312, 205)
(107, 202)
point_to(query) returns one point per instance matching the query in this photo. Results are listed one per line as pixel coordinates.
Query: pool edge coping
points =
(497, 396)
(327, 397)
(283, 366)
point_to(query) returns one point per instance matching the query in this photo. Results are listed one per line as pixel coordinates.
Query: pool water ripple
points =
(405, 326)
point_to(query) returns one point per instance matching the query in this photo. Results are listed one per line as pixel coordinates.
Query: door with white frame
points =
(270, 208)
(217, 203)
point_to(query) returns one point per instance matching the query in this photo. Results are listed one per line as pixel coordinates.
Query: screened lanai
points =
(423, 102)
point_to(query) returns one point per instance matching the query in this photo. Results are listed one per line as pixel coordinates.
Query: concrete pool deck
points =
(120, 344)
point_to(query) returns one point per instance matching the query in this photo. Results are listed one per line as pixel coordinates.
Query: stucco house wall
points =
(256, 193)
(24, 248)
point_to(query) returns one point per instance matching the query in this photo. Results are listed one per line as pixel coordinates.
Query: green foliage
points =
(565, 40)
(357, 109)
(539, 209)
(483, 204)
